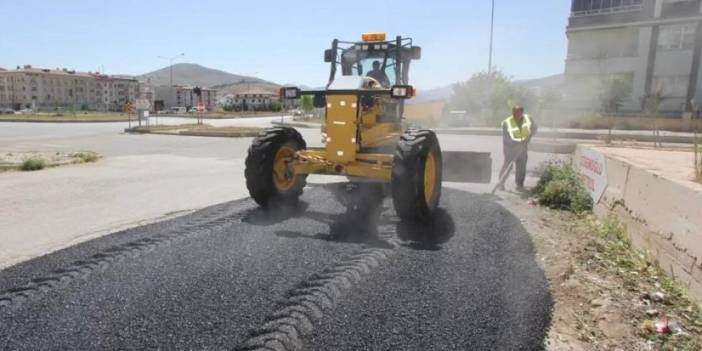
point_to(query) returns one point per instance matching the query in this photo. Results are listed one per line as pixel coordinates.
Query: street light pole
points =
(492, 28)
(170, 65)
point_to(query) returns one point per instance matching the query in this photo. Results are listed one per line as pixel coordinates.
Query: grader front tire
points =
(268, 177)
(416, 175)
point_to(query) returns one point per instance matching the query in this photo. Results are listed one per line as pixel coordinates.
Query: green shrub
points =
(33, 164)
(86, 157)
(560, 187)
(275, 106)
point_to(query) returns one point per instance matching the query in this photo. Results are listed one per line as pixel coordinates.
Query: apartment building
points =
(650, 44)
(184, 96)
(52, 89)
(252, 99)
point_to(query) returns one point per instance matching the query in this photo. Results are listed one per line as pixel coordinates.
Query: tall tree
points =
(490, 96)
(306, 103)
(612, 94)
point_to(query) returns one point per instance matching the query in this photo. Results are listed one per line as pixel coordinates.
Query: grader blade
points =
(467, 167)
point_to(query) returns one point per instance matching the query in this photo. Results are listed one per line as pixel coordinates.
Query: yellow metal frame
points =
(346, 121)
(377, 166)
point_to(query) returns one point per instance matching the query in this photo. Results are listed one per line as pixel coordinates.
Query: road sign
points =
(128, 107)
(593, 171)
(143, 104)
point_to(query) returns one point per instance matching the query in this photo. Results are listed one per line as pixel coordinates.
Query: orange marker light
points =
(373, 36)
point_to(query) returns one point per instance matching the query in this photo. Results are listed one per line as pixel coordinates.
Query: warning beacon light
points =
(373, 36)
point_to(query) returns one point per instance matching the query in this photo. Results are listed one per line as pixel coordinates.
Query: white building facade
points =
(652, 45)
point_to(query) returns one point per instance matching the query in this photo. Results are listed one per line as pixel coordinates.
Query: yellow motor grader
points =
(363, 134)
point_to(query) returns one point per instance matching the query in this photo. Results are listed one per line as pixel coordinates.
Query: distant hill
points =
(436, 94)
(193, 74)
(245, 85)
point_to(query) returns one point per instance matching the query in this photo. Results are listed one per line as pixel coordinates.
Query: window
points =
(364, 67)
(603, 44)
(671, 86)
(677, 37)
(596, 7)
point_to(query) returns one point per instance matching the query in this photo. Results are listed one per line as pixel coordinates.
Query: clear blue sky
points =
(282, 40)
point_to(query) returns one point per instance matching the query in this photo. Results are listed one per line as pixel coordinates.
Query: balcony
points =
(585, 13)
(623, 7)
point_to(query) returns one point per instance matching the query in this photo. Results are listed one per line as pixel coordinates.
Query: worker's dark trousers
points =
(520, 163)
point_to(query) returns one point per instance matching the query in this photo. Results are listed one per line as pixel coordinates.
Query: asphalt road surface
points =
(142, 178)
(325, 275)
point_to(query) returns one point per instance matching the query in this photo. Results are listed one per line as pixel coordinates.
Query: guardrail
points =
(607, 11)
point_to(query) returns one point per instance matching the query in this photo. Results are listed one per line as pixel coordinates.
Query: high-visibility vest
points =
(517, 133)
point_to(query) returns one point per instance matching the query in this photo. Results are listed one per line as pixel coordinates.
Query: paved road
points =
(14, 133)
(318, 276)
(141, 179)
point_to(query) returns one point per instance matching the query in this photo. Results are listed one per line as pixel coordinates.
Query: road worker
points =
(517, 131)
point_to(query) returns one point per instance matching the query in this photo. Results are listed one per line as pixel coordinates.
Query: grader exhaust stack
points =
(363, 135)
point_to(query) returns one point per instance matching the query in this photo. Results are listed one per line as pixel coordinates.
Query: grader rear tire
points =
(416, 175)
(267, 176)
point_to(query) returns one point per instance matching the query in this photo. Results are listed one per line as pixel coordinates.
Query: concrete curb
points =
(585, 135)
(552, 147)
(196, 133)
(662, 216)
(64, 121)
(296, 124)
(220, 135)
(262, 115)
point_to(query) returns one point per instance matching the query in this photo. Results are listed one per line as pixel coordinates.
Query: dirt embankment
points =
(607, 295)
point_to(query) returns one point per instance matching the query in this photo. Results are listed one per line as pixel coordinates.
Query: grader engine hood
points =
(342, 128)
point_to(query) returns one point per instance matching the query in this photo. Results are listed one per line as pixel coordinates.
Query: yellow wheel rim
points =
(282, 177)
(429, 177)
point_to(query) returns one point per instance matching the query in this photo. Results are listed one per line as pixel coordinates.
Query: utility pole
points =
(170, 65)
(248, 88)
(492, 29)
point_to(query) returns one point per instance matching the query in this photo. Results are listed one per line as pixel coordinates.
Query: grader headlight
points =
(402, 91)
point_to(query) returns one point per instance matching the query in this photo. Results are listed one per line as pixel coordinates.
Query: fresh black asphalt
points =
(325, 275)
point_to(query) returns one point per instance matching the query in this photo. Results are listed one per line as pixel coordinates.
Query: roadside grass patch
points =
(33, 164)
(197, 130)
(167, 127)
(86, 156)
(560, 187)
(230, 129)
(609, 252)
(38, 160)
(67, 117)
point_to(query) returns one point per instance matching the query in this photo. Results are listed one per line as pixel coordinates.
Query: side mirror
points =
(320, 101)
(289, 93)
(328, 55)
(402, 91)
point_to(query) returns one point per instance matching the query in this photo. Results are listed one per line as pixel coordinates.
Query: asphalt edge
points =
(81, 269)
